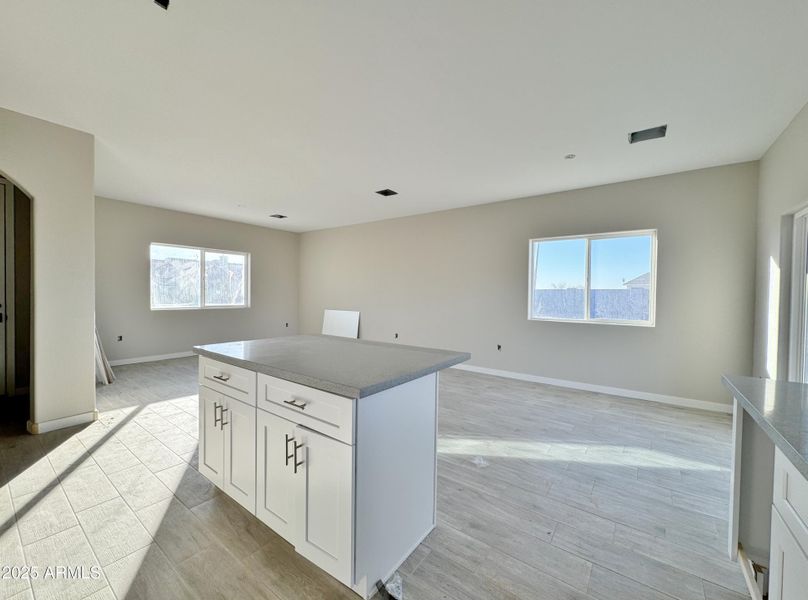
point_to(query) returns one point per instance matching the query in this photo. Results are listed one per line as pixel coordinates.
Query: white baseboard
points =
(602, 389)
(143, 359)
(53, 425)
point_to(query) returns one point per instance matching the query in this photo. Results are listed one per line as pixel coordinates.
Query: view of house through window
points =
(608, 278)
(179, 281)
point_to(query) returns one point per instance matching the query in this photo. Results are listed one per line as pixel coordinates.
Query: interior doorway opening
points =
(16, 340)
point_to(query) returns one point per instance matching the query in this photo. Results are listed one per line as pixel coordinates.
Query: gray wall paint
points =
(123, 234)
(55, 166)
(783, 191)
(458, 279)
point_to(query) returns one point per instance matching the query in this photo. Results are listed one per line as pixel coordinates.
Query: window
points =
(604, 278)
(179, 281)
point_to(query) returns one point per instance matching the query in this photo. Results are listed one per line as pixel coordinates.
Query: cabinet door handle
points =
(289, 457)
(296, 404)
(222, 421)
(297, 463)
(217, 418)
(223, 377)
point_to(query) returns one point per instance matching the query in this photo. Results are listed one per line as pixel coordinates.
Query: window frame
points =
(202, 300)
(651, 322)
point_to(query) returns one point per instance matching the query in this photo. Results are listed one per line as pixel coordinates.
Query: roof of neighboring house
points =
(644, 279)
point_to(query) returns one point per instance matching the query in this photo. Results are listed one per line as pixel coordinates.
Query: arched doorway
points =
(15, 301)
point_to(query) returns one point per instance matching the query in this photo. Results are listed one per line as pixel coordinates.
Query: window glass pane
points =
(175, 277)
(559, 279)
(620, 278)
(224, 279)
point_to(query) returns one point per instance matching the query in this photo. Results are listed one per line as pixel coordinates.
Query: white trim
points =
(144, 359)
(587, 317)
(735, 479)
(587, 282)
(797, 333)
(46, 426)
(602, 389)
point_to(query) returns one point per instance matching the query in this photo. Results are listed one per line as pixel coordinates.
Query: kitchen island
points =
(331, 442)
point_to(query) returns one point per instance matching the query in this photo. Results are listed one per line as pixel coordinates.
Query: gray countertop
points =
(343, 366)
(781, 410)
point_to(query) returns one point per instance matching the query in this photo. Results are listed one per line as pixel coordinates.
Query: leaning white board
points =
(344, 323)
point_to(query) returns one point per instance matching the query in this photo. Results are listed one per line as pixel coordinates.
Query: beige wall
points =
(123, 234)
(458, 279)
(55, 166)
(783, 191)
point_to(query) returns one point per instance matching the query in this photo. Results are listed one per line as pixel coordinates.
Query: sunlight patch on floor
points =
(39, 466)
(597, 454)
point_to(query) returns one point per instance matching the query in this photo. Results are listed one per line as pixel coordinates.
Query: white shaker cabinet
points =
(788, 558)
(211, 436)
(275, 505)
(238, 425)
(324, 502)
(788, 569)
(305, 491)
(350, 483)
(227, 445)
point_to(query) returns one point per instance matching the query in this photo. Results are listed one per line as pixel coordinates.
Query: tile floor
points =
(544, 493)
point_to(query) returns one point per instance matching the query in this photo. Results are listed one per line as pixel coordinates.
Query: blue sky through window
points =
(615, 260)
(562, 263)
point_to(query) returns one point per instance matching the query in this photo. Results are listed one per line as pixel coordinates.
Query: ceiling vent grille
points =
(647, 134)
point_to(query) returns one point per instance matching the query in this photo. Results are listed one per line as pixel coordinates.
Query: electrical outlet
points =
(120, 338)
(396, 336)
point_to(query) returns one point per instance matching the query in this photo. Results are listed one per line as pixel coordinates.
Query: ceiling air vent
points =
(387, 192)
(647, 134)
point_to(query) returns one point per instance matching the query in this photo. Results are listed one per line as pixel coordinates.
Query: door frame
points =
(798, 317)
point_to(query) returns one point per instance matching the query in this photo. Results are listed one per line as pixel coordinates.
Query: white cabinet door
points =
(788, 576)
(211, 436)
(275, 498)
(324, 502)
(239, 452)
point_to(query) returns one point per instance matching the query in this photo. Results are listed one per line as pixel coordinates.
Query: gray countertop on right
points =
(780, 408)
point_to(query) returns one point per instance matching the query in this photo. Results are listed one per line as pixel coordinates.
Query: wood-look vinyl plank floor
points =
(543, 494)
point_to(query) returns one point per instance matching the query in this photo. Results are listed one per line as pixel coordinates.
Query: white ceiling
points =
(243, 108)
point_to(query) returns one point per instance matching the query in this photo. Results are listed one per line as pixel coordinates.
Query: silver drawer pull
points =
(222, 377)
(289, 438)
(216, 418)
(298, 463)
(296, 404)
(222, 421)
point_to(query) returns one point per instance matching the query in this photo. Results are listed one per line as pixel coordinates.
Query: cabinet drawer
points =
(228, 379)
(791, 497)
(327, 413)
